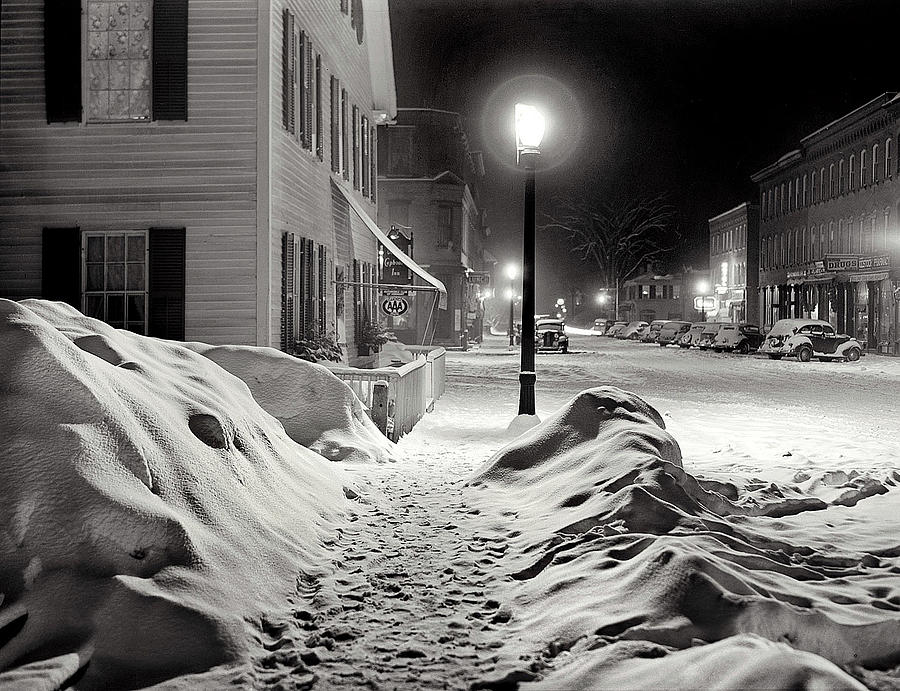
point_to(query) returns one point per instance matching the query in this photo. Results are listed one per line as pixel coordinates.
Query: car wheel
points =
(804, 354)
(565, 348)
(853, 355)
(776, 356)
(744, 348)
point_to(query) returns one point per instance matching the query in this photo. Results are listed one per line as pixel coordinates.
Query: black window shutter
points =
(288, 290)
(62, 60)
(170, 34)
(166, 283)
(335, 126)
(61, 265)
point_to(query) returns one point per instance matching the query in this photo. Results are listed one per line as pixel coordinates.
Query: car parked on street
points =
(738, 338)
(600, 326)
(616, 327)
(630, 329)
(550, 336)
(809, 338)
(709, 333)
(692, 337)
(672, 331)
(653, 331)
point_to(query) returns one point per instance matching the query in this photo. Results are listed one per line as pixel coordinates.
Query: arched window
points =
(874, 163)
(831, 181)
(797, 193)
(805, 184)
(853, 242)
(863, 171)
(888, 170)
(771, 204)
(804, 247)
(823, 247)
(762, 203)
(815, 196)
(852, 172)
(783, 203)
(841, 179)
(822, 184)
(790, 195)
(813, 255)
(831, 246)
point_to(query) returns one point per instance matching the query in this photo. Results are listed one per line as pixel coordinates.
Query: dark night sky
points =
(644, 97)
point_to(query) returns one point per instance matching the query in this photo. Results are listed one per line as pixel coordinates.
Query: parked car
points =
(639, 333)
(739, 338)
(809, 338)
(630, 329)
(709, 333)
(600, 326)
(616, 327)
(672, 331)
(692, 336)
(653, 331)
(550, 335)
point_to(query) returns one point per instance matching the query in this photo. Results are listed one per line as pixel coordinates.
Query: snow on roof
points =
(152, 511)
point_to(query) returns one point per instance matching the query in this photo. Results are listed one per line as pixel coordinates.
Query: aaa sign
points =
(394, 306)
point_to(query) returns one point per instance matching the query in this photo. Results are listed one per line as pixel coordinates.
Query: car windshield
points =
(549, 325)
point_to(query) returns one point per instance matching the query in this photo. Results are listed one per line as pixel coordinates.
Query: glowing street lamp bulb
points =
(601, 298)
(529, 128)
(511, 271)
(702, 286)
(510, 294)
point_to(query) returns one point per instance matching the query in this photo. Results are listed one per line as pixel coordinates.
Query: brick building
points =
(669, 296)
(200, 171)
(829, 232)
(734, 263)
(429, 181)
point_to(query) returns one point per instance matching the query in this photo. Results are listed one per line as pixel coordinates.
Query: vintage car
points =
(653, 330)
(809, 338)
(738, 338)
(550, 336)
(692, 336)
(616, 327)
(600, 326)
(630, 329)
(709, 333)
(672, 331)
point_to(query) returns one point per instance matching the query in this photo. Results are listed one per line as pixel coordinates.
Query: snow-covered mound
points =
(613, 540)
(153, 518)
(316, 408)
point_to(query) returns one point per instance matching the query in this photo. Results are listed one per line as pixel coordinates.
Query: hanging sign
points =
(394, 306)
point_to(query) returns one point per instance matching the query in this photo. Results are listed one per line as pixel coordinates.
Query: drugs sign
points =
(394, 306)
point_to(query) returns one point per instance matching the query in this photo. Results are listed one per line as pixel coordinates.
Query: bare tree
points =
(619, 237)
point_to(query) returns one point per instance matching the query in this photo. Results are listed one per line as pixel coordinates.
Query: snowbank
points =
(317, 409)
(153, 518)
(614, 541)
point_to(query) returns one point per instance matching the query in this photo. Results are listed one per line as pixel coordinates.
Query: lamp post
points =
(511, 272)
(529, 132)
(702, 287)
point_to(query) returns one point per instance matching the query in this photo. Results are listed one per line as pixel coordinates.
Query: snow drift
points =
(316, 408)
(153, 518)
(614, 541)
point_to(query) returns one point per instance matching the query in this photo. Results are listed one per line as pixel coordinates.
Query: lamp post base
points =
(526, 392)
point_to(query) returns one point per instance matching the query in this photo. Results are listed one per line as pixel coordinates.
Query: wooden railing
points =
(398, 397)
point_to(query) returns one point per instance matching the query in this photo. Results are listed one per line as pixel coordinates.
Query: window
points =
(875, 161)
(783, 201)
(863, 173)
(841, 179)
(852, 172)
(306, 78)
(446, 226)
(118, 61)
(356, 147)
(831, 181)
(288, 72)
(790, 195)
(115, 279)
(888, 170)
(335, 125)
(814, 187)
(805, 184)
(777, 200)
(771, 204)
(373, 161)
(822, 184)
(366, 148)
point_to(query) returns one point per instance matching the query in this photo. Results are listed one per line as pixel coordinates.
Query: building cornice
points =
(743, 206)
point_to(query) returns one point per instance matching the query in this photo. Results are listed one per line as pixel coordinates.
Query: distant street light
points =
(529, 133)
(511, 272)
(702, 287)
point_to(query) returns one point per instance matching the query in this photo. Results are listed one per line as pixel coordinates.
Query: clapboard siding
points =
(200, 174)
(300, 182)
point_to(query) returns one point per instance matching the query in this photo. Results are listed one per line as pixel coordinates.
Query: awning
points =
(864, 278)
(396, 251)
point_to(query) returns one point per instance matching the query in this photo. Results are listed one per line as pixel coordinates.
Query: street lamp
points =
(702, 287)
(511, 273)
(529, 132)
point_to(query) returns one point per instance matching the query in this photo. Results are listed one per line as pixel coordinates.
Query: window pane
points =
(94, 248)
(115, 309)
(115, 248)
(136, 308)
(135, 276)
(115, 277)
(136, 248)
(94, 277)
(94, 306)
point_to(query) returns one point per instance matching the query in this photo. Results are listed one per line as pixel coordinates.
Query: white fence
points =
(398, 397)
